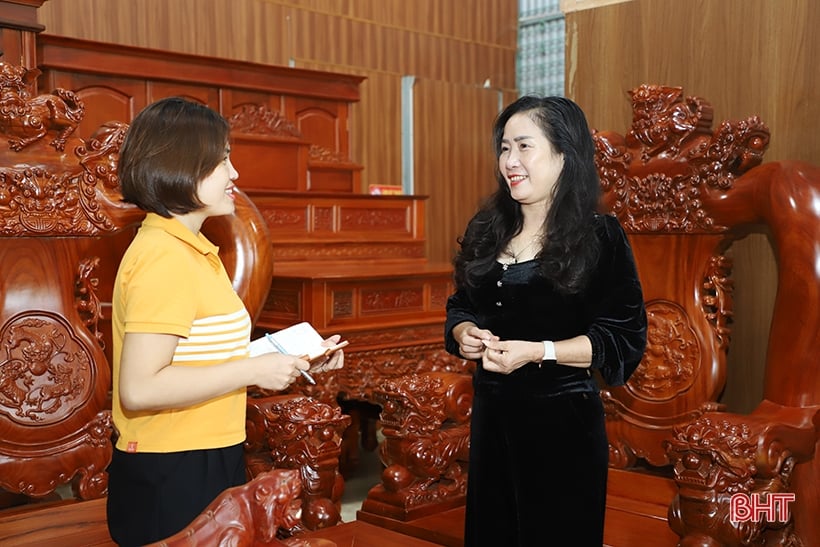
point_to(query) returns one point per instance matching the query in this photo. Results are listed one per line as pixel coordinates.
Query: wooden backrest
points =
(58, 206)
(684, 192)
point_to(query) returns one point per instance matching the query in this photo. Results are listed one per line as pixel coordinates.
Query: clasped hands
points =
(497, 356)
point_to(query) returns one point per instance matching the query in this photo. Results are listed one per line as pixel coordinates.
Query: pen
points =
(305, 374)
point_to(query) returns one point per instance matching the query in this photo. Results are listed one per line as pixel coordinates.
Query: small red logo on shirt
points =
(132, 447)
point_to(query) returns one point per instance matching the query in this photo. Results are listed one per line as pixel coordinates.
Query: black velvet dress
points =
(538, 446)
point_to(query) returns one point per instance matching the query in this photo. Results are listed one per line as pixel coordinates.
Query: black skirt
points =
(154, 495)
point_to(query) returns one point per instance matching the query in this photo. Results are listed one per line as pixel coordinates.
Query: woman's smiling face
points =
(528, 161)
(216, 190)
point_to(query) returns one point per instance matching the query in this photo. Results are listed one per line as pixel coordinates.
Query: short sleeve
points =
(157, 296)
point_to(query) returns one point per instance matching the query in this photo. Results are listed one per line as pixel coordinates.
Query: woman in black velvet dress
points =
(546, 294)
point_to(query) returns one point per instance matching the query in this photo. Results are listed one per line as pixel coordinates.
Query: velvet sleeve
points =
(618, 327)
(458, 311)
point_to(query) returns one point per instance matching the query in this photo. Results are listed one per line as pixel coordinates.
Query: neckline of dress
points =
(506, 265)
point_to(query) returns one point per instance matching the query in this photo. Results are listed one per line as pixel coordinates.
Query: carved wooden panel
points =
(324, 123)
(350, 297)
(341, 228)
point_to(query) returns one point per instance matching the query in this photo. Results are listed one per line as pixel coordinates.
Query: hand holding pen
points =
(305, 374)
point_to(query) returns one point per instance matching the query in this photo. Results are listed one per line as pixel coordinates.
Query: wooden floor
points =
(444, 528)
(362, 534)
(630, 522)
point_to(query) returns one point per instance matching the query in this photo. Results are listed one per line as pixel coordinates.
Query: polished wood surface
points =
(66, 523)
(359, 534)
(639, 521)
(442, 528)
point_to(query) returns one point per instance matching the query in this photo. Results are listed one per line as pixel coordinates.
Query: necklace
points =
(514, 255)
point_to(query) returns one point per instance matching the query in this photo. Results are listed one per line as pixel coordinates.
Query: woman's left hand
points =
(508, 355)
(334, 361)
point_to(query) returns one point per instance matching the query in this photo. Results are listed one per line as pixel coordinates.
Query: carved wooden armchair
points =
(63, 229)
(684, 193)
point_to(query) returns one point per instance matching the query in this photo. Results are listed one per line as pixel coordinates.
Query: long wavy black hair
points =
(571, 246)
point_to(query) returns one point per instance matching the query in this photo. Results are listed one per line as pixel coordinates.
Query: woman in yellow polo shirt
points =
(180, 331)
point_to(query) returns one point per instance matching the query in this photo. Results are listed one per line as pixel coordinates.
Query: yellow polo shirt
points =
(171, 281)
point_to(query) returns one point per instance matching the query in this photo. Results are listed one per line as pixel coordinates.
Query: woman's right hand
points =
(277, 371)
(471, 339)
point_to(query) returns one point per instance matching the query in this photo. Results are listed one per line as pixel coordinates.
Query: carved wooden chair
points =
(63, 229)
(684, 193)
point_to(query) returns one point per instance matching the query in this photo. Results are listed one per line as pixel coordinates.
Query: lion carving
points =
(26, 119)
(250, 514)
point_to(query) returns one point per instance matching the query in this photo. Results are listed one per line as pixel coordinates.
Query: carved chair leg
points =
(425, 421)
(298, 432)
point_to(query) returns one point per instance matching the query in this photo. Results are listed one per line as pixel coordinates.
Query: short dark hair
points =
(170, 146)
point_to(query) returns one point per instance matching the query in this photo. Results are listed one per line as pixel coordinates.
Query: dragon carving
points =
(298, 432)
(425, 421)
(714, 459)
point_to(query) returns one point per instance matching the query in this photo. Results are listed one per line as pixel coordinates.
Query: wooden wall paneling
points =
(239, 29)
(375, 129)
(488, 22)
(449, 130)
(746, 57)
